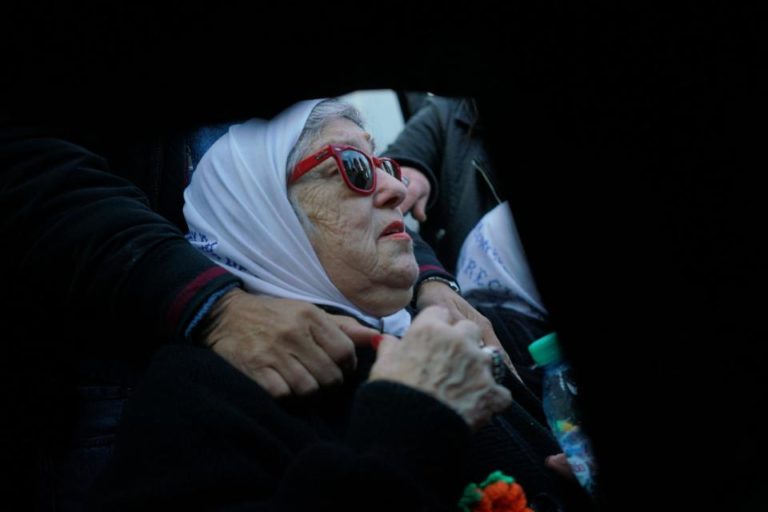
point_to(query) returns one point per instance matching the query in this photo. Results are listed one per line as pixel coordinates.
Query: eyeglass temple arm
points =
(308, 164)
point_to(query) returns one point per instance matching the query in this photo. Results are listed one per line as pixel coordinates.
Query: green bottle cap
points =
(545, 349)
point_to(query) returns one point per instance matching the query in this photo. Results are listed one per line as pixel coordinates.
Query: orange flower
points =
(498, 493)
(504, 497)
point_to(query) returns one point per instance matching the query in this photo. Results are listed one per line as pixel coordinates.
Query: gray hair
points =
(323, 113)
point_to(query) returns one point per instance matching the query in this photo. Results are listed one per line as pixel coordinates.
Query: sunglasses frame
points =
(334, 151)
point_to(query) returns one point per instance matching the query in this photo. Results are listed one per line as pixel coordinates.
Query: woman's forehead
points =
(344, 131)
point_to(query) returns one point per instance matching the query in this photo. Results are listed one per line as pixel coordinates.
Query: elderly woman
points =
(299, 208)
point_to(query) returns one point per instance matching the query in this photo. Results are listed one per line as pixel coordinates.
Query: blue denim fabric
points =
(202, 139)
(67, 474)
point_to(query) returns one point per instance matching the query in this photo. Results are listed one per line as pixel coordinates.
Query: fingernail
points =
(375, 340)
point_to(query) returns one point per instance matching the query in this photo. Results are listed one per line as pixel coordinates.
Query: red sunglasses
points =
(357, 168)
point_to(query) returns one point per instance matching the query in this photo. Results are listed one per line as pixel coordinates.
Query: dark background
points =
(632, 142)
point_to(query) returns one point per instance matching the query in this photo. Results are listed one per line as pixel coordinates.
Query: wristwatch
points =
(452, 284)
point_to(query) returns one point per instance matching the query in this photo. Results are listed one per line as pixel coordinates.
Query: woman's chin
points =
(387, 290)
(405, 274)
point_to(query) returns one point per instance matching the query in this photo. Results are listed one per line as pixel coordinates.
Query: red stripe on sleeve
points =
(425, 268)
(189, 291)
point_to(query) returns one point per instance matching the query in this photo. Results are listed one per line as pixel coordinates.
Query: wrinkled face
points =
(360, 240)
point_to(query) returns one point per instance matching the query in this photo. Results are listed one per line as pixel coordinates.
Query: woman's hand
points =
(444, 359)
(435, 293)
(559, 464)
(287, 346)
(417, 193)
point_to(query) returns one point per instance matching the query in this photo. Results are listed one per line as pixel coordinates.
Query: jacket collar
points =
(466, 116)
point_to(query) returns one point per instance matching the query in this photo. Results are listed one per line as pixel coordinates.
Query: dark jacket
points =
(92, 261)
(444, 140)
(199, 435)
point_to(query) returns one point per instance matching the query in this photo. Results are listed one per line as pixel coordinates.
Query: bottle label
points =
(580, 467)
(577, 451)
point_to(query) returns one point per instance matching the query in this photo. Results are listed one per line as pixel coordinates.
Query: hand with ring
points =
(434, 348)
(498, 368)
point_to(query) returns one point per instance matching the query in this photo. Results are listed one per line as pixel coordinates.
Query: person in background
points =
(454, 192)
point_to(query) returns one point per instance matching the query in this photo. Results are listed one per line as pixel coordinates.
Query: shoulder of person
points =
(450, 109)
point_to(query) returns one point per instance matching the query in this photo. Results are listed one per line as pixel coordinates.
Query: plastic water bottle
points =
(559, 390)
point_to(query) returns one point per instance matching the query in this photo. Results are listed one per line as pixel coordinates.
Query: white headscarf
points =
(238, 214)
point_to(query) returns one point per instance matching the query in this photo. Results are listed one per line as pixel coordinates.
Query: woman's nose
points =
(390, 191)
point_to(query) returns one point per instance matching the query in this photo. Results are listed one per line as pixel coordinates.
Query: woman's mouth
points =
(395, 231)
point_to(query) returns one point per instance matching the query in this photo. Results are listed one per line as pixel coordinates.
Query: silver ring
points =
(497, 363)
(405, 180)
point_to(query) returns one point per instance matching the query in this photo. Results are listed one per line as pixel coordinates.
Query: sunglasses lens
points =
(358, 169)
(390, 168)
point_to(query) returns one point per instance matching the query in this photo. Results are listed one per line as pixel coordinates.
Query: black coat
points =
(198, 434)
